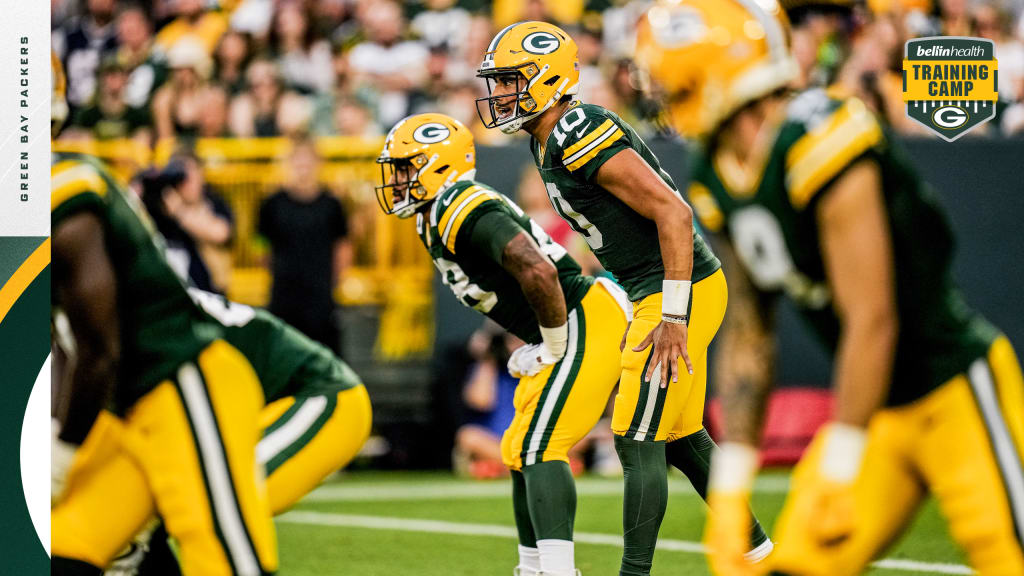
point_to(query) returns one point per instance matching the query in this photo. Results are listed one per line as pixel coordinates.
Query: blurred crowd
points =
(185, 69)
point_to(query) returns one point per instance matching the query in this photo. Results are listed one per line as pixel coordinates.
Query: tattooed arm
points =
(537, 277)
(745, 366)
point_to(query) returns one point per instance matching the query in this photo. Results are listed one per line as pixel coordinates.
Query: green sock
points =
(692, 455)
(551, 492)
(521, 509)
(644, 501)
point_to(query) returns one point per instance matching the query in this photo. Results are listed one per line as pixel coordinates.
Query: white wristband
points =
(675, 297)
(556, 339)
(733, 467)
(842, 452)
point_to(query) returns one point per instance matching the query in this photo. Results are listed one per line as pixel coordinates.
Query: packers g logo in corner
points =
(431, 133)
(541, 43)
(950, 83)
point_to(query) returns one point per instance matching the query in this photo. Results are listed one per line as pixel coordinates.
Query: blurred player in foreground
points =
(815, 200)
(187, 403)
(607, 184)
(316, 419)
(502, 264)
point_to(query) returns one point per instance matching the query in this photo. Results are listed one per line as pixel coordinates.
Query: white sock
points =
(529, 561)
(556, 557)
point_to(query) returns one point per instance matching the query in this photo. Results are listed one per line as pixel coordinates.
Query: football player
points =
(499, 262)
(316, 420)
(606, 183)
(815, 200)
(187, 402)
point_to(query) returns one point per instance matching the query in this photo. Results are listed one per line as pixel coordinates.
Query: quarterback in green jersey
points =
(499, 262)
(607, 184)
(159, 408)
(815, 201)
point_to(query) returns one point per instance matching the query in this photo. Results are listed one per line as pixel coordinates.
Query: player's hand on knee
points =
(669, 340)
(529, 360)
(842, 453)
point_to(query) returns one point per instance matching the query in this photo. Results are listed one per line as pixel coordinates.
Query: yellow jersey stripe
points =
(447, 211)
(818, 157)
(601, 143)
(704, 205)
(582, 143)
(464, 210)
(66, 182)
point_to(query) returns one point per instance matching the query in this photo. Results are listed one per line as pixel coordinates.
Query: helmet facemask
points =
(401, 192)
(514, 105)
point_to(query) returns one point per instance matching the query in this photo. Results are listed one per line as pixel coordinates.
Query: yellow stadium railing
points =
(389, 269)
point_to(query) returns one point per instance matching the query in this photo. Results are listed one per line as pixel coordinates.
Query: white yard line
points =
(455, 490)
(467, 529)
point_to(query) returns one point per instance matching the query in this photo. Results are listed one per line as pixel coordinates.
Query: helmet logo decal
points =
(431, 133)
(541, 43)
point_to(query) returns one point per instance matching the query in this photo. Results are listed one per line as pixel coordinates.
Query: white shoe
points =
(761, 552)
(130, 560)
(575, 572)
(128, 563)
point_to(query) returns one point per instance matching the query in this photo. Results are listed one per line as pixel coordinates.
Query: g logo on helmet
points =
(541, 43)
(950, 117)
(431, 133)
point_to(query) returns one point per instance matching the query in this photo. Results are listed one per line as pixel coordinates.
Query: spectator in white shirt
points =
(386, 62)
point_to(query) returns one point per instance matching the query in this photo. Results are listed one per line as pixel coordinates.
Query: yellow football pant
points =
(558, 406)
(645, 410)
(187, 449)
(308, 438)
(963, 442)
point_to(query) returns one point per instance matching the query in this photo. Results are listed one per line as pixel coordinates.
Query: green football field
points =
(426, 524)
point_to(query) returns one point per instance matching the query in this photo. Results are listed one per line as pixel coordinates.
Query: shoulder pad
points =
(453, 209)
(72, 178)
(828, 147)
(582, 133)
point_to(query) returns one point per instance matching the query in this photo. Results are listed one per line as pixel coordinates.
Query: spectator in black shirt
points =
(307, 229)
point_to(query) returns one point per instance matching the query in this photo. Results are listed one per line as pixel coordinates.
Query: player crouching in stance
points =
(316, 419)
(815, 201)
(187, 402)
(607, 184)
(502, 264)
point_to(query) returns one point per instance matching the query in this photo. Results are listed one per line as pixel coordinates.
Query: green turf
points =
(403, 497)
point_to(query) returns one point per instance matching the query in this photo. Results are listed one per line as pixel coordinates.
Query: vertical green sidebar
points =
(24, 347)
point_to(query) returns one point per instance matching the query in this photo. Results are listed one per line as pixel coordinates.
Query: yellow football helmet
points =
(534, 63)
(58, 99)
(711, 57)
(423, 156)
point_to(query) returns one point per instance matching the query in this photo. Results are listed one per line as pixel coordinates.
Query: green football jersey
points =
(468, 255)
(772, 225)
(624, 242)
(287, 362)
(161, 328)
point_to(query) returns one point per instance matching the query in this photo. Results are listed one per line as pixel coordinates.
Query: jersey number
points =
(223, 311)
(577, 221)
(761, 247)
(570, 120)
(469, 293)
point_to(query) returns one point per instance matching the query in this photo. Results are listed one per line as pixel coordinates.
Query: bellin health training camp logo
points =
(949, 83)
